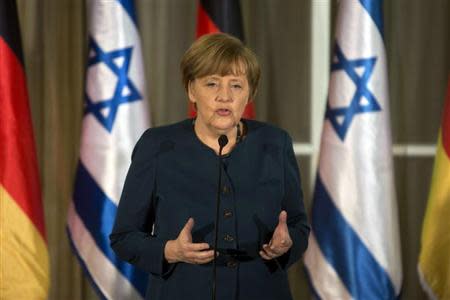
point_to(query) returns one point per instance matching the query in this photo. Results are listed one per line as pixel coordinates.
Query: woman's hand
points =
(183, 250)
(281, 241)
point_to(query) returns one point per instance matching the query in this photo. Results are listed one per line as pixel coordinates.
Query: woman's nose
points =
(224, 94)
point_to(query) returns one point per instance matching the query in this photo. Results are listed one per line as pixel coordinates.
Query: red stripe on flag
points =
(204, 23)
(18, 164)
(446, 123)
(249, 112)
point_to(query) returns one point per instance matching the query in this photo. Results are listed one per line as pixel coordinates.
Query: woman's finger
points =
(274, 250)
(271, 252)
(204, 254)
(282, 218)
(195, 255)
(185, 233)
(204, 260)
(264, 255)
(281, 243)
(196, 246)
(201, 257)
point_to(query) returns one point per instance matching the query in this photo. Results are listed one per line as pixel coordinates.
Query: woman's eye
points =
(211, 84)
(237, 86)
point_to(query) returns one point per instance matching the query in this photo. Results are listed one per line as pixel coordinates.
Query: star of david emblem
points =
(363, 101)
(108, 86)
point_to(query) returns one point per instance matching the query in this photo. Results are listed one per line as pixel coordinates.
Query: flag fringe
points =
(425, 285)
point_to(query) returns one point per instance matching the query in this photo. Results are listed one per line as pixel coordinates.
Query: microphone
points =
(223, 141)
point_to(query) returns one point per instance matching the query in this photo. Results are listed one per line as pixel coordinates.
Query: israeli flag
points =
(115, 115)
(354, 250)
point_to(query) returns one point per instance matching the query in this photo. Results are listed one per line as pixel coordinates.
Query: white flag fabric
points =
(115, 116)
(354, 249)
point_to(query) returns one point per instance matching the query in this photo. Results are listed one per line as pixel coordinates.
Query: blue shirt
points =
(173, 176)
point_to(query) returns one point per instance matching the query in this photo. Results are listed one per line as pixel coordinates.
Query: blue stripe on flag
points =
(98, 213)
(374, 8)
(355, 265)
(84, 267)
(128, 5)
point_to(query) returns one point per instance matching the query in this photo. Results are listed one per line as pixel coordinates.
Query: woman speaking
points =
(169, 211)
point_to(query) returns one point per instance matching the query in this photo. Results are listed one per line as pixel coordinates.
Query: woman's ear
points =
(191, 91)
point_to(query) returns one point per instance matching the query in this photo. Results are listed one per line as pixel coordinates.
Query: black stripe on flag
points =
(226, 14)
(9, 27)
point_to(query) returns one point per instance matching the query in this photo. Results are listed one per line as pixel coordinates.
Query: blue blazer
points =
(173, 176)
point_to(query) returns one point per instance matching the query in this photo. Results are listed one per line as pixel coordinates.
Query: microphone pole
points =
(223, 140)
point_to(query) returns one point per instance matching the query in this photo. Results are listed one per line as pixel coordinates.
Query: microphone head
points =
(223, 140)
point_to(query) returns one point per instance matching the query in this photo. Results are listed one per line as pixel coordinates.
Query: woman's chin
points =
(224, 127)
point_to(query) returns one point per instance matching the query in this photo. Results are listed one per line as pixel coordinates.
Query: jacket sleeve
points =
(131, 238)
(293, 204)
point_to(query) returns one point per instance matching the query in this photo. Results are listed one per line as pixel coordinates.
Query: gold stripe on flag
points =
(23, 254)
(434, 258)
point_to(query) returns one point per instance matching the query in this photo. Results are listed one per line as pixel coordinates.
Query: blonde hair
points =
(222, 54)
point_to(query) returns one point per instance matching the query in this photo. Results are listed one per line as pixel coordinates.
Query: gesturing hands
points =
(281, 241)
(183, 250)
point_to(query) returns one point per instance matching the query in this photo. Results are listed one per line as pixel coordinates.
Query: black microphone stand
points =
(223, 140)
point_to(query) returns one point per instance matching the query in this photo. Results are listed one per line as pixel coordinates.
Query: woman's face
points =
(220, 100)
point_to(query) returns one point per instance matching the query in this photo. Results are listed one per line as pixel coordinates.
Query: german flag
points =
(434, 259)
(23, 245)
(221, 16)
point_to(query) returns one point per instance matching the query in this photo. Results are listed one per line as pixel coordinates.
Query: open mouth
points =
(223, 112)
